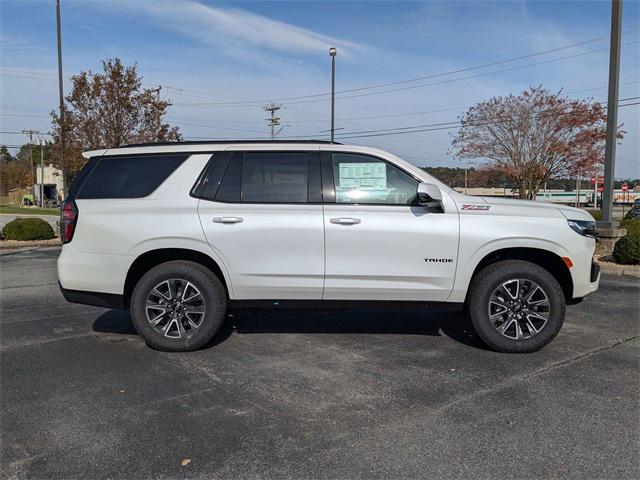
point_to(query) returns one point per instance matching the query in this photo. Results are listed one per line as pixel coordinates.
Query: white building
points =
(50, 175)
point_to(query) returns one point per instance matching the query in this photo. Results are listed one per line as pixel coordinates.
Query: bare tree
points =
(534, 136)
(110, 109)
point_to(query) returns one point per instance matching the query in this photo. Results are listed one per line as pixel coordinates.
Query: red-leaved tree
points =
(534, 136)
(107, 110)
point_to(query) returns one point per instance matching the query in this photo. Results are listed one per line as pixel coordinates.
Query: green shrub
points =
(596, 214)
(27, 229)
(632, 225)
(627, 250)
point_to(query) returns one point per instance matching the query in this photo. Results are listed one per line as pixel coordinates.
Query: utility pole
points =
(274, 121)
(333, 52)
(612, 116)
(31, 133)
(465, 179)
(61, 94)
(41, 172)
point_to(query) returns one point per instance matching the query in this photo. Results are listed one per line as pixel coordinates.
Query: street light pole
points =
(61, 94)
(332, 53)
(612, 115)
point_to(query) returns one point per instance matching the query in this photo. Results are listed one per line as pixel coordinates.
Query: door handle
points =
(345, 221)
(228, 220)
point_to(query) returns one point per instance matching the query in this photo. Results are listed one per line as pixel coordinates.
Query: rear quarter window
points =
(133, 176)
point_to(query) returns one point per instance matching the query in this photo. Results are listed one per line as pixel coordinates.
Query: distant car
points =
(635, 210)
(178, 232)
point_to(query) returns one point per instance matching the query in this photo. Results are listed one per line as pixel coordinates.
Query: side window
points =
(133, 176)
(229, 190)
(364, 179)
(271, 177)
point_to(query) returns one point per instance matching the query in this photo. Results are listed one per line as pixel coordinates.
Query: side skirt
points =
(340, 304)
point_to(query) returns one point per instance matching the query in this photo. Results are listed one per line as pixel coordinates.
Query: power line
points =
(193, 124)
(443, 82)
(196, 93)
(317, 119)
(407, 114)
(287, 99)
(434, 129)
(26, 132)
(433, 126)
(23, 115)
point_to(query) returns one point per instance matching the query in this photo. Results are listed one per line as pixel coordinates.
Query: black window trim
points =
(81, 178)
(218, 178)
(101, 158)
(218, 158)
(328, 185)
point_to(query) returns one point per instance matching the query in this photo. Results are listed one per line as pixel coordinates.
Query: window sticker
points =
(361, 181)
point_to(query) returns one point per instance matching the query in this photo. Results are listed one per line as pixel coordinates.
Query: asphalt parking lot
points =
(356, 394)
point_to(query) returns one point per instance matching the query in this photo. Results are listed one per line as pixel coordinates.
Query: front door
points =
(263, 216)
(380, 245)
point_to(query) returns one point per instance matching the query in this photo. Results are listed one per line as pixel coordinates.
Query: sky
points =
(220, 63)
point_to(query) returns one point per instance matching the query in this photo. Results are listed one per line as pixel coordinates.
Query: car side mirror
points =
(429, 195)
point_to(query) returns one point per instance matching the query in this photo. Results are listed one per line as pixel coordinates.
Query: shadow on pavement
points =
(401, 321)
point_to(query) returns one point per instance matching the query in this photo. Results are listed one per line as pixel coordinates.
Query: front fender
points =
(469, 260)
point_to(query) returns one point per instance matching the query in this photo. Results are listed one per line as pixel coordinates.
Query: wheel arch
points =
(152, 258)
(546, 259)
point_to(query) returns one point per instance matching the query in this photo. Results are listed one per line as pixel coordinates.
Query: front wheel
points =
(516, 306)
(178, 306)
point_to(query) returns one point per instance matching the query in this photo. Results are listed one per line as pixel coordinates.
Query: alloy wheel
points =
(519, 308)
(175, 308)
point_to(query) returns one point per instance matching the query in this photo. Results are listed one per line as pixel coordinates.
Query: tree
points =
(5, 155)
(534, 136)
(15, 172)
(107, 110)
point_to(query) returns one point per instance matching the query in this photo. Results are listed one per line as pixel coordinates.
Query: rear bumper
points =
(97, 299)
(92, 272)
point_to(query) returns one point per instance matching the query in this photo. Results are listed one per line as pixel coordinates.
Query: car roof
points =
(201, 146)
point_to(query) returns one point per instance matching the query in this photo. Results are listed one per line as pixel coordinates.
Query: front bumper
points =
(595, 272)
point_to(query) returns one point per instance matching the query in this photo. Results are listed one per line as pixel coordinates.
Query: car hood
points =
(511, 206)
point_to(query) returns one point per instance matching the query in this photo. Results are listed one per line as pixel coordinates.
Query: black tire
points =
(488, 280)
(214, 305)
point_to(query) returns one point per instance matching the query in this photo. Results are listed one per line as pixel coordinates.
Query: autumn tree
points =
(110, 109)
(16, 172)
(534, 136)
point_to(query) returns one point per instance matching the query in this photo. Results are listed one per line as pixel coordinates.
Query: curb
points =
(616, 269)
(13, 244)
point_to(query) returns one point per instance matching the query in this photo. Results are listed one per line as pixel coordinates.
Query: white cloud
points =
(232, 30)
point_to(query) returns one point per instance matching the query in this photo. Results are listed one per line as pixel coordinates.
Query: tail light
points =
(68, 219)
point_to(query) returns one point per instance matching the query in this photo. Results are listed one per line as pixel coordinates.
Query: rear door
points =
(261, 212)
(381, 245)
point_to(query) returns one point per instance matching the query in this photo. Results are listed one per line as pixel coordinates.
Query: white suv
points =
(179, 232)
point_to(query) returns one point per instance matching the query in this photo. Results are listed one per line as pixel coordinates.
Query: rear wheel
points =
(516, 306)
(178, 306)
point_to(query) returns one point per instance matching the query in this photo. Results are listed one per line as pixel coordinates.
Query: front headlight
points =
(586, 228)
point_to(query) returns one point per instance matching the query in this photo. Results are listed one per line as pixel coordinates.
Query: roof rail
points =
(219, 142)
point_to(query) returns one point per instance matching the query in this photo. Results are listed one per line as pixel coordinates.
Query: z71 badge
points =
(467, 206)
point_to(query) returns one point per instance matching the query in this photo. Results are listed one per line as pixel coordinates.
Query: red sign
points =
(625, 187)
(595, 180)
